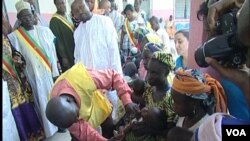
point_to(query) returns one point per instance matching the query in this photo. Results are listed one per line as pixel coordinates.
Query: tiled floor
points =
(60, 137)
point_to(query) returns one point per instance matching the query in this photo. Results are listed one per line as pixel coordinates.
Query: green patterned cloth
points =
(165, 105)
(165, 58)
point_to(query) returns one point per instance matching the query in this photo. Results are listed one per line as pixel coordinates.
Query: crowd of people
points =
(104, 75)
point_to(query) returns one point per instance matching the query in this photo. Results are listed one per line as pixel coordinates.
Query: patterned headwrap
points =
(165, 58)
(152, 47)
(140, 33)
(199, 86)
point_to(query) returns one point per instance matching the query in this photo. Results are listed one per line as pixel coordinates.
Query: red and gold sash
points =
(9, 67)
(33, 46)
(61, 18)
(130, 34)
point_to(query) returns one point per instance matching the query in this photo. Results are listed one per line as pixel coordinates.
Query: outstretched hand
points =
(240, 77)
(117, 137)
(132, 108)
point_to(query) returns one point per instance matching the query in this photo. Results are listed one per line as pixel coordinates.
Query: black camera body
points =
(225, 47)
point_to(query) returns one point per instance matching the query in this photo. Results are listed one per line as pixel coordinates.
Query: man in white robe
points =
(96, 43)
(39, 75)
(39, 19)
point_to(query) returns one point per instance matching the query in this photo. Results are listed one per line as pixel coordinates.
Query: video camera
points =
(225, 47)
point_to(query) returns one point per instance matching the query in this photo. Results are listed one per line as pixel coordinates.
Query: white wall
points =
(47, 6)
(10, 5)
(162, 4)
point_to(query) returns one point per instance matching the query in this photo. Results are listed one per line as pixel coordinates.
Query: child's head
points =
(62, 111)
(179, 134)
(138, 86)
(154, 118)
(130, 69)
(138, 90)
(159, 67)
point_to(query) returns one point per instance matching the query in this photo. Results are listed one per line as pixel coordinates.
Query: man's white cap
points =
(21, 5)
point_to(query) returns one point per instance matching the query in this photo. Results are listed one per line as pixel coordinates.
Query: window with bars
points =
(182, 9)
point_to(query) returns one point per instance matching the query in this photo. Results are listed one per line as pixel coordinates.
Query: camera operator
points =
(239, 76)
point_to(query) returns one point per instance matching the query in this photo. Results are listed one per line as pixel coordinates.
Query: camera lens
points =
(200, 57)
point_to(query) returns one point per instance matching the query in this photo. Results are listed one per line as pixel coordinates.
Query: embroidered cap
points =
(21, 5)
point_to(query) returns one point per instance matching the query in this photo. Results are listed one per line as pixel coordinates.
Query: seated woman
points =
(196, 96)
(138, 85)
(157, 94)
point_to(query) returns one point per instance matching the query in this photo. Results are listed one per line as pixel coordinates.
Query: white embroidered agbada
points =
(96, 44)
(40, 78)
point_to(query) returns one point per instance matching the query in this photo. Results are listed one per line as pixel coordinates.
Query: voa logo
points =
(236, 132)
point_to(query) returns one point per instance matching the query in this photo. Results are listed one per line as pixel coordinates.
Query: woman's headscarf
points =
(165, 58)
(152, 47)
(199, 86)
